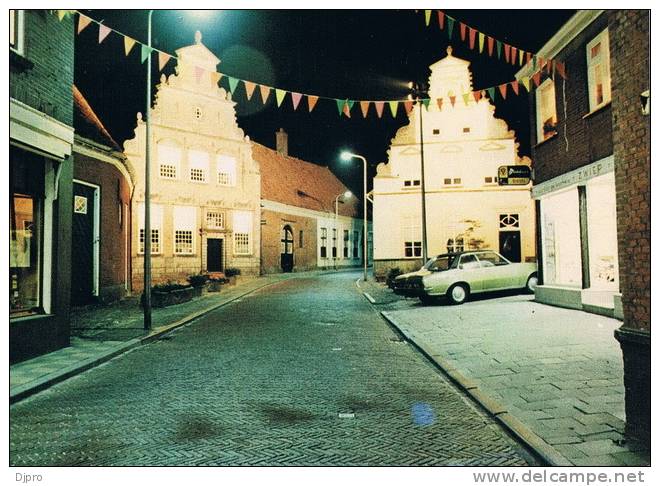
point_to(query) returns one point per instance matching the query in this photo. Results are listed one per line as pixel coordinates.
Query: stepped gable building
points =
(591, 149)
(205, 184)
(298, 226)
(101, 224)
(466, 208)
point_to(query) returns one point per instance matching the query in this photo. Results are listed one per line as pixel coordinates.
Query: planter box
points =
(164, 299)
(214, 286)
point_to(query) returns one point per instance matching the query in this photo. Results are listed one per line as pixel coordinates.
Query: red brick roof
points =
(87, 124)
(295, 182)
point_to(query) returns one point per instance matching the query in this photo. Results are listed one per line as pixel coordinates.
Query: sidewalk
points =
(99, 333)
(552, 376)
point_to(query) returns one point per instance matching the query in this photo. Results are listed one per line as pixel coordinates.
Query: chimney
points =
(282, 142)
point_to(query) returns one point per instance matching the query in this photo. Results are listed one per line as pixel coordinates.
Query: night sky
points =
(357, 54)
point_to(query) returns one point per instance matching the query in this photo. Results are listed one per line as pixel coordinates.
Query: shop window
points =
(242, 232)
(560, 234)
(546, 111)
(346, 243)
(602, 231)
(598, 66)
(156, 228)
(24, 254)
(198, 163)
(226, 170)
(324, 242)
(169, 161)
(16, 31)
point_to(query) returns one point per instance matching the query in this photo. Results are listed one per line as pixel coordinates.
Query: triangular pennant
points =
(466, 98)
(364, 106)
(394, 105)
(481, 42)
(514, 86)
(233, 84)
(521, 56)
(265, 93)
(561, 69)
(452, 100)
(340, 106)
(491, 42)
(503, 90)
(537, 78)
(439, 102)
(408, 104)
(311, 102)
(477, 95)
(163, 58)
(550, 66)
(379, 105)
(441, 19)
(295, 99)
(514, 52)
(279, 95)
(144, 53)
(83, 21)
(215, 78)
(61, 14)
(529, 57)
(347, 110)
(525, 81)
(507, 51)
(450, 26)
(426, 102)
(427, 17)
(249, 88)
(491, 93)
(499, 49)
(463, 29)
(128, 44)
(104, 30)
(472, 36)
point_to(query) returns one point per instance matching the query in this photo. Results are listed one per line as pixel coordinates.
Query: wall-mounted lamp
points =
(645, 100)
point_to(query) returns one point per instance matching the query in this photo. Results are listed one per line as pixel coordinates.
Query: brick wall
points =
(629, 45)
(271, 236)
(589, 135)
(43, 77)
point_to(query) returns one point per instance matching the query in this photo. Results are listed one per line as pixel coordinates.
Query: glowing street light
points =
(346, 156)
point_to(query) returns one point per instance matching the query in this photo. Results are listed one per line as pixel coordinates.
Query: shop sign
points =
(574, 177)
(514, 175)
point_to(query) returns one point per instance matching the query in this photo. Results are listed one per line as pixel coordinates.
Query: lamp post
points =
(346, 156)
(346, 194)
(147, 189)
(417, 91)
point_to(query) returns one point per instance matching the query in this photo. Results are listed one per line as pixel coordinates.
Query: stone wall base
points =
(382, 267)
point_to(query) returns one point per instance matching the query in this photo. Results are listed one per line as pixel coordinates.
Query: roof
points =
(87, 124)
(296, 182)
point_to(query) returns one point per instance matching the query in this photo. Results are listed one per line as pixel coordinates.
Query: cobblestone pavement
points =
(303, 372)
(558, 371)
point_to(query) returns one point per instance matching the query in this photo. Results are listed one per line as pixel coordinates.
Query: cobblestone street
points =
(304, 372)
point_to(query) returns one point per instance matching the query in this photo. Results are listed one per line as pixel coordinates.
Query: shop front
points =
(578, 239)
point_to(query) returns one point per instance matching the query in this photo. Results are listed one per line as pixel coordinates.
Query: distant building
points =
(40, 181)
(101, 226)
(204, 183)
(591, 150)
(298, 226)
(464, 144)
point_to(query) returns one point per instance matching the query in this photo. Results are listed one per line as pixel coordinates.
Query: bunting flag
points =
(426, 102)
(340, 106)
(427, 17)
(452, 100)
(477, 95)
(441, 19)
(525, 81)
(439, 101)
(408, 104)
(83, 21)
(463, 27)
(514, 53)
(61, 14)
(347, 108)
(103, 32)
(514, 86)
(295, 99)
(472, 35)
(481, 42)
(311, 102)
(394, 105)
(561, 69)
(503, 90)
(491, 93)
(529, 57)
(163, 59)
(491, 42)
(249, 88)
(265, 93)
(364, 106)
(279, 96)
(144, 54)
(521, 56)
(379, 105)
(537, 78)
(466, 98)
(450, 26)
(507, 52)
(233, 84)
(128, 44)
(499, 49)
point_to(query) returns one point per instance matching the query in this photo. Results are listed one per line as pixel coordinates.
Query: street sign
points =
(514, 175)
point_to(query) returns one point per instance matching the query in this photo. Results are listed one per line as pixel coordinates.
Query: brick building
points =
(299, 230)
(41, 133)
(102, 188)
(204, 182)
(592, 183)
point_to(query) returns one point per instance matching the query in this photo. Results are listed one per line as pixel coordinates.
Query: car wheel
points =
(531, 284)
(458, 293)
(427, 299)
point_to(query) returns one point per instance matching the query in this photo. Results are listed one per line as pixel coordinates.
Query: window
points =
(598, 65)
(456, 245)
(546, 111)
(411, 183)
(456, 181)
(16, 31)
(215, 219)
(334, 242)
(468, 262)
(466, 129)
(324, 242)
(156, 225)
(24, 251)
(242, 233)
(185, 223)
(226, 170)
(490, 180)
(346, 243)
(509, 221)
(356, 244)
(301, 241)
(169, 159)
(413, 248)
(412, 241)
(436, 131)
(491, 259)
(198, 163)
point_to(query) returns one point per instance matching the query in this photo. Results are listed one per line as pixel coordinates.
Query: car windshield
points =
(440, 263)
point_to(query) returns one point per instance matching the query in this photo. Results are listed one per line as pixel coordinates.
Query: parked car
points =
(457, 275)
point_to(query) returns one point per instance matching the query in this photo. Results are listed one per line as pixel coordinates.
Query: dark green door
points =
(82, 245)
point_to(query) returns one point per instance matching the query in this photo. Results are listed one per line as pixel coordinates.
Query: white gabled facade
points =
(464, 144)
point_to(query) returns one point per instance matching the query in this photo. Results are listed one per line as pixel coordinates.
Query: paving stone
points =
(599, 447)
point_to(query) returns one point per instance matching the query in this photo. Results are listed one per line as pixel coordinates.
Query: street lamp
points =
(346, 156)
(147, 188)
(345, 195)
(417, 91)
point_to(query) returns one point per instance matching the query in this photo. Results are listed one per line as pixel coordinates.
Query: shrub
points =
(391, 275)
(232, 271)
(168, 287)
(198, 280)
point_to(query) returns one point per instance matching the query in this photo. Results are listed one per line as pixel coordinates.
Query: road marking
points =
(346, 415)
(336, 349)
(369, 298)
